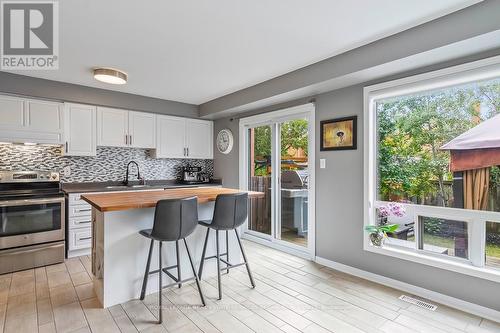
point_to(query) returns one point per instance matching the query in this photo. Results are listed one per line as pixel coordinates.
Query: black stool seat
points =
(174, 220)
(230, 212)
(209, 224)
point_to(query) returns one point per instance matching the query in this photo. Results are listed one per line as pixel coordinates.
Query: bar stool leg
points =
(146, 274)
(227, 250)
(194, 272)
(200, 270)
(218, 264)
(178, 263)
(160, 319)
(245, 259)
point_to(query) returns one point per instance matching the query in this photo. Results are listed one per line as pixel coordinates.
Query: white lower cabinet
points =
(79, 226)
(80, 241)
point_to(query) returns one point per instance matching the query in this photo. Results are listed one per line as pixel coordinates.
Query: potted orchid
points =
(378, 233)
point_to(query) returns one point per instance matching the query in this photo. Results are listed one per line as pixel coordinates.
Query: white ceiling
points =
(196, 50)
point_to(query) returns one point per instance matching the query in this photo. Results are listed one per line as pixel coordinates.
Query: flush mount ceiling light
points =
(110, 75)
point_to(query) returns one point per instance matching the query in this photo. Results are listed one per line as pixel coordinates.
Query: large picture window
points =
(433, 157)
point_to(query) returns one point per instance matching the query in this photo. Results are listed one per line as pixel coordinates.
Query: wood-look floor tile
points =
(3, 311)
(22, 285)
(25, 323)
(69, 317)
(21, 305)
(47, 328)
(85, 291)
(40, 274)
(63, 294)
(292, 295)
(74, 265)
(55, 268)
(99, 319)
(121, 319)
(139, 314)
(58, 278)
(44, 311)
(42, 290)
(80, 278)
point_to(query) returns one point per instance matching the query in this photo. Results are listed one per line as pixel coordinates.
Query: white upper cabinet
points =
(123, 128)
(27, 120)
(199, 142)
(170, 137)
(80, 129)
(12, 110)
(142, 129)
(112, 127)
(44, 116)
(183, 138)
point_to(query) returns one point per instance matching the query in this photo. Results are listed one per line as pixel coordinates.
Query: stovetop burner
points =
(18, 185)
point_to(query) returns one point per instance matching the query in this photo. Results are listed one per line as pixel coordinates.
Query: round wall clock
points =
(225, 141)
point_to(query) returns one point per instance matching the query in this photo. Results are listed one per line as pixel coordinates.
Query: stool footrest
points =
(157, 270)
(229, 265)
(178, 282)
(213, 257)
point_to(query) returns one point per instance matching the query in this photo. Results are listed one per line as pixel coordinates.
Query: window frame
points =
(476, 220)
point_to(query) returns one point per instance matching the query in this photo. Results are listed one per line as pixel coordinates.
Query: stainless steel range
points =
(31, 220)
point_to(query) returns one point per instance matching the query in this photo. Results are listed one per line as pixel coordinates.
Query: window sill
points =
(435, 261)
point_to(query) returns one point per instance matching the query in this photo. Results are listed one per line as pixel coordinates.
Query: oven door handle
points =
(26, 202)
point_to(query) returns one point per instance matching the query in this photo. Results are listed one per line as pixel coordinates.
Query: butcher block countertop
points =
(108, 202)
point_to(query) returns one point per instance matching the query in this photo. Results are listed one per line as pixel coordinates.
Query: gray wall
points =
(67, 92)
(339, 203)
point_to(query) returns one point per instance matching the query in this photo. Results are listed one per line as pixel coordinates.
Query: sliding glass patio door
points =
(275, 152)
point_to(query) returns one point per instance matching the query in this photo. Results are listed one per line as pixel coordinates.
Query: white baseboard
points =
(79, 252)
(453, 302)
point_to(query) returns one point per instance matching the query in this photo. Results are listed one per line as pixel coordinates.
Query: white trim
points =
(434, 296)
(279, 245)
(461, 74)
(270, 118)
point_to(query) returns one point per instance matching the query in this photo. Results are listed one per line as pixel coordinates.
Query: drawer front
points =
(76, 199)
(79, 210)
(80, 239)
(79, 222)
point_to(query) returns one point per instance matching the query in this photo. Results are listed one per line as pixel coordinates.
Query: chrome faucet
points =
(141, 179)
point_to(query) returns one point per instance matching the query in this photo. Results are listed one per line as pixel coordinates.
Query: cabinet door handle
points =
(184, 152)
(84, 238)
(82, 222)
(126, 139)
(130, 139)
(187, 151)
(83, 210)
(66, 146)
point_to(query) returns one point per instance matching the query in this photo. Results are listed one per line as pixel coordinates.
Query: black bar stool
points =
(174, 219)
(230, 212)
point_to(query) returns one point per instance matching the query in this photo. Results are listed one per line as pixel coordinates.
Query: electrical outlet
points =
(67, 171)
(322, 163)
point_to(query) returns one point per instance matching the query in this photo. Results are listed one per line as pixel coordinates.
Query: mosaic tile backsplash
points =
(108, 165)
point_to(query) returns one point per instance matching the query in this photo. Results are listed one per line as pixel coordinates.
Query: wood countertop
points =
(107, 202)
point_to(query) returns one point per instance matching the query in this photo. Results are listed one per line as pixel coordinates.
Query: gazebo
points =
(473, 153)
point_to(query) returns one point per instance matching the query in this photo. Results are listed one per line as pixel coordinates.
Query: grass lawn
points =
(492, 249)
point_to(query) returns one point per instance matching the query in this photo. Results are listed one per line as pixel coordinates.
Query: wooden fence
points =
(259, 213)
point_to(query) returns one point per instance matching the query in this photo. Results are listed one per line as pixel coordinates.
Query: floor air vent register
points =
(418, 302)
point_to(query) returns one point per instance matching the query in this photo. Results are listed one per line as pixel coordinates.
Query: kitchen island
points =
(119, 253)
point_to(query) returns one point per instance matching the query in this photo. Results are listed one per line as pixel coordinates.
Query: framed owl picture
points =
(339, 134)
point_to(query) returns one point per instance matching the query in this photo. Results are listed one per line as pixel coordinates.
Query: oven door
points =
(31, 221)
